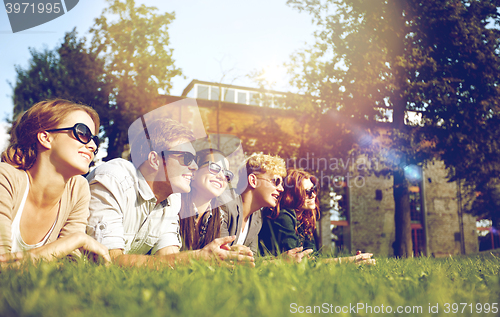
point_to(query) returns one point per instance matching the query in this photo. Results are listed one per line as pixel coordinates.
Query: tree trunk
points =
(403, 246)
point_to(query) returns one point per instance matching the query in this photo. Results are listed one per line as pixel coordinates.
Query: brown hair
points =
(190, 232)
(23, 146)
(294, 196)
(157, 135)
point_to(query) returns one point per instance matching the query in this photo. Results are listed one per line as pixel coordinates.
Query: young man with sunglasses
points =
(134, 206)
(260, 184)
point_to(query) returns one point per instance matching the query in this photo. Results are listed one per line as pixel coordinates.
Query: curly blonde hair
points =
(260, 164)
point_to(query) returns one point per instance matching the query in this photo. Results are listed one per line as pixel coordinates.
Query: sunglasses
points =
(311, 191)
(187, 157)
(82, 133)
(276, 181)
(215, 169)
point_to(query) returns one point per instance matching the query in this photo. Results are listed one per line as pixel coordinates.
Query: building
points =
(361, 214)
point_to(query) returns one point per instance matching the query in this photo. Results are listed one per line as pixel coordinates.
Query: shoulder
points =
(286, 214)
(286, 218)
(12, 179)
(118, 171)
(116, 167)
(8, 171)
(230, 206)
(78, 185)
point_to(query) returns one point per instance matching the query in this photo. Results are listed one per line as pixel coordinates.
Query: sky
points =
(209, 39)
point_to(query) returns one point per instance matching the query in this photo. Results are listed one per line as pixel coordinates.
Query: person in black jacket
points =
(292, 229)
(294, 225)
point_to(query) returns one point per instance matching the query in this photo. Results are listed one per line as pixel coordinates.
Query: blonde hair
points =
(260, 164)
(45, 115)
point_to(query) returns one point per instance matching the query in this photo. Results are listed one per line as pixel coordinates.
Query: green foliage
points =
(128, 64)
(437, 58)
(69, 71)
(200, 289)
(134, 41)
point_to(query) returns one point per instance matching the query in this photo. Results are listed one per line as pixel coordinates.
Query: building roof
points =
(208, 83)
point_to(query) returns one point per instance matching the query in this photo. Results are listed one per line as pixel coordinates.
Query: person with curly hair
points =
(292, 224)
(295, 223)
(260, 184)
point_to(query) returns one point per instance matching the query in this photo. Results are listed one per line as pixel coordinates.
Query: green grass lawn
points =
(85, 289)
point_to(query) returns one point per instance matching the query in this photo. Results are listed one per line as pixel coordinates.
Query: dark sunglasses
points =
(82, 133)
(187, 157)
(215, 169)
(276, 181)
(311, 191)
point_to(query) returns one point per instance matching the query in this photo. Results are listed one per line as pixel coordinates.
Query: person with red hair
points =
(294, 226)
(295, 223)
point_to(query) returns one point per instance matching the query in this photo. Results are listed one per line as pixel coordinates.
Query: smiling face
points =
(310, 200)
(68, 155)
(266, 191)
(205, 182)
(180, 175)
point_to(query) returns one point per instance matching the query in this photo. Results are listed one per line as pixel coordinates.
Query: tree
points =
(134, 42)
(69, 72)
(437, 58)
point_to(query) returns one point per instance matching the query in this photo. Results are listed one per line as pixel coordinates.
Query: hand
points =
(219, 250)
(297, 254)
(13, 260)
(362, 258)
(95, 248)
(241, 249)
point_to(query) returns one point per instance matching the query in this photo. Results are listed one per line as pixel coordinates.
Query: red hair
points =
(294, 196)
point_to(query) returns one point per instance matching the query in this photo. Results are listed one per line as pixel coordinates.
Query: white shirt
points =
(243, 234)
(124, 213)
(18, 243)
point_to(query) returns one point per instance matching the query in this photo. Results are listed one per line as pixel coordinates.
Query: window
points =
(202, 92)
(339, 211)
(229, 95)
(214, 93)
(414, 175)
(242, 97)
(254, 98)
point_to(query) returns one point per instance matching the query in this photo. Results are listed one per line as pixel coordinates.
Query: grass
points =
(85, 289)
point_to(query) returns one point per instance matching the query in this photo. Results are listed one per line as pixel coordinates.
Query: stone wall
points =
(442, 215)
(372, 220)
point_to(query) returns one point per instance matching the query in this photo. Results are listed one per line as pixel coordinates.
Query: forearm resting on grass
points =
(362, 258)
(217, 250)
(60, 248)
